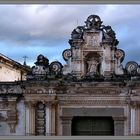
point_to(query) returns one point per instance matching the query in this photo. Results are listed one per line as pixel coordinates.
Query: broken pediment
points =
(43, 70)
(93, 52)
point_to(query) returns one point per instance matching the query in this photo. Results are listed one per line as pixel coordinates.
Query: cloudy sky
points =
(45, 29)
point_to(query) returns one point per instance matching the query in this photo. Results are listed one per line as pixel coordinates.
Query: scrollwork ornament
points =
(56, 67)
(67, 54)
(131, 67)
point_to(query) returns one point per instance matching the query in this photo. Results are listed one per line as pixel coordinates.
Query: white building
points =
(11, 70)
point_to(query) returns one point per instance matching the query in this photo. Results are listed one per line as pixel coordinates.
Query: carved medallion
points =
(56, 67)
(66, 54)
(119, 54)
(131, 67)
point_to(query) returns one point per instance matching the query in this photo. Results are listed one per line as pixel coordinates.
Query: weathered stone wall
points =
(20, 126)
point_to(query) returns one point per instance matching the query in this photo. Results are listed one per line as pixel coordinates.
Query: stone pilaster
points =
(133, 110)
(119, 125)
(30, 118)
(66, 125)
(50, 118)
(135, 118)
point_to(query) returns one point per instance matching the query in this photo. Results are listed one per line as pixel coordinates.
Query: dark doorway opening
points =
(96, 126)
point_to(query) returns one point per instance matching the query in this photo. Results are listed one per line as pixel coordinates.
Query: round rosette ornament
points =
(56, 67)
(131, 67)
(66, 54)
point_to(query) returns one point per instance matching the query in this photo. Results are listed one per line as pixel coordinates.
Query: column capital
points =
(135, 104)
(30, 103)
(50, 103)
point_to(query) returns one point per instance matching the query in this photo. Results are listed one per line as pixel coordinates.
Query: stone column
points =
(66, 125)
(30, 118)
(119, 125)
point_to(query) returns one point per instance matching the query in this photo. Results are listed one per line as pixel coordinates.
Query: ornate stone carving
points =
(43, 70)
(90, 38)
(77, 33)
(109, 35)
(56, 68)
(93, 22)
(10, 89)
(94, 91)
(30, 104)
(131, 67)
(119, 54)
(40, 122)
(92, 67)
(40, 90)
(92, 102)
(66, 54)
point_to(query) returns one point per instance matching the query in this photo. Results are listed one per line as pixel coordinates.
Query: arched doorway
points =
(92, 126)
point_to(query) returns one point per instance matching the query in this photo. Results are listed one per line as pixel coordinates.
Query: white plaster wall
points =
(7, 73)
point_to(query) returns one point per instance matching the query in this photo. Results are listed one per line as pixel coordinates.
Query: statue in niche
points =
(92, 67)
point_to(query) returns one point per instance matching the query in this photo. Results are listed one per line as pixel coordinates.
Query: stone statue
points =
(92, 67)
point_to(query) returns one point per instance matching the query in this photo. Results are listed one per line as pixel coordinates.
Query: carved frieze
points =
(10, 89)
(93, 102)
(94, 91)
(39, 91)
(135, 104)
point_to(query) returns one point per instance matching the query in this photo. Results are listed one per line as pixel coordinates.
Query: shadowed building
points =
(93, 94)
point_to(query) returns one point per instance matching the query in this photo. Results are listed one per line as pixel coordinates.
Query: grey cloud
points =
(41, 24)
(51, 25)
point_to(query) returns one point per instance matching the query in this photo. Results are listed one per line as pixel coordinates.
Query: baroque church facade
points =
(93, 94)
